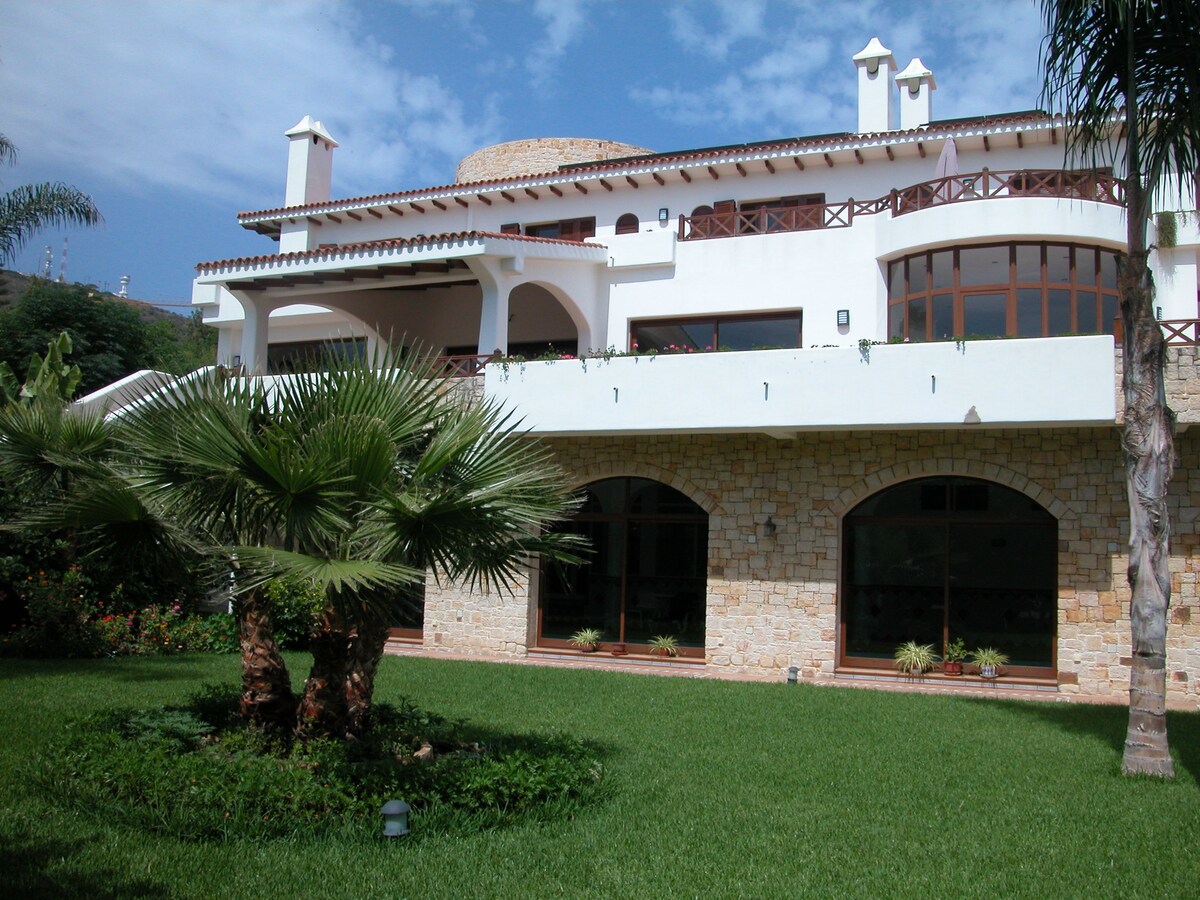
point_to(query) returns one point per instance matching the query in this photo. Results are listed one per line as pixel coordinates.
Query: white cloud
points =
(195, 94)
(785, 68)
(565, 23)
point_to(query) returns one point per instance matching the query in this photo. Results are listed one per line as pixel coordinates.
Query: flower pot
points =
(588, 648)
(952, 668)
(987, 671)
(618, 650)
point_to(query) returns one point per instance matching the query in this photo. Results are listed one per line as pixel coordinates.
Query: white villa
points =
(825, 394)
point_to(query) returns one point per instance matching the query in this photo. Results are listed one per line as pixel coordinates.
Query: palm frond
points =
(32, 207)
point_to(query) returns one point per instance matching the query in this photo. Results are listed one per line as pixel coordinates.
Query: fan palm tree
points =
(32, 207)
(356, 480)
(1131, 65)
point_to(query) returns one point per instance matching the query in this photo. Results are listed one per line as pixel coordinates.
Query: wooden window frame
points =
(628, 223)
(1010, 288)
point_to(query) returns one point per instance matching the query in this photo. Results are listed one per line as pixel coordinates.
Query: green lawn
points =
(715, 789)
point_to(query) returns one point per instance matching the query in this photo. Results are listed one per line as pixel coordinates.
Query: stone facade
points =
(538, 155)
(772, 599)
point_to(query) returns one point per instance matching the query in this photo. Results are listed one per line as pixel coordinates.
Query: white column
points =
(254, 333)
(876, 65)
(493, 319)
(916, 95)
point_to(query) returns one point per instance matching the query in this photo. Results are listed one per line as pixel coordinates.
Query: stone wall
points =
(772, 599)
(536, 156)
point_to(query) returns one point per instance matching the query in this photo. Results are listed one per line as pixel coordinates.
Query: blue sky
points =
(170, 113)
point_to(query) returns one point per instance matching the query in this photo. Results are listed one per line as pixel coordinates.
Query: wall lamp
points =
(770, 527)
(663, 215)
(843, 317)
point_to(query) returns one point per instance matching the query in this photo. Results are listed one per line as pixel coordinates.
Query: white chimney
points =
(310, 163)
(875, 65)
(916, 95)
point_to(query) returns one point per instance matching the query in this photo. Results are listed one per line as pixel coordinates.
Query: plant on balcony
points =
(915, 659)
(990, 660)
(586, 639)
(664, 645)
(953, 655)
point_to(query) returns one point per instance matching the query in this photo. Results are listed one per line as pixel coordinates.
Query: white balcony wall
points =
(974, 384)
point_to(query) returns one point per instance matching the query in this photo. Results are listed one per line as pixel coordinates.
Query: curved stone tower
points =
(535, 156)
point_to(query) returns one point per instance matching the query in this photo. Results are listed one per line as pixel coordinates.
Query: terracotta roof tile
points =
(392, 243)
(568, 172)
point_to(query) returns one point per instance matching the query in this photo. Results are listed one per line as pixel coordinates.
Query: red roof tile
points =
(449, 236)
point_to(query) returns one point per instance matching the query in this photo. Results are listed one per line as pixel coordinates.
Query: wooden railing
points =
(1176, 332)
(1098, 186)
(462, 366)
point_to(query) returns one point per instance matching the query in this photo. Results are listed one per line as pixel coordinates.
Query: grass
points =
(715, 788)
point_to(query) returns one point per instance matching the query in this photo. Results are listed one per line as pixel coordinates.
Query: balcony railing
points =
(462, 366)
(1176, 332)
(1098, 186)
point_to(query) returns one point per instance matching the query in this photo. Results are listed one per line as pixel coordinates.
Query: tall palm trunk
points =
(1149, 445)
(362, 663)
(322, 711)
(267, 698)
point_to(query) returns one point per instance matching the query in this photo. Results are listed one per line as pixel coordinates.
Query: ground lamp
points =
(395, 818)
(793, 671)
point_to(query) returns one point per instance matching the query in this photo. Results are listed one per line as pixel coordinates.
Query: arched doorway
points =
(937, 559)
(647, 574)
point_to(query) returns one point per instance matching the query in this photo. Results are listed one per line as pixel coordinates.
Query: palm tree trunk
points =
(365, 652)
(1148, 441)
(322, 711)
(267, 698)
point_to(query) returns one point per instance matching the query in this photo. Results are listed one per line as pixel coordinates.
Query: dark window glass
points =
(896, 320)
(985, 314)
(1029, 312)
(896, 279)
(1085, 265)
(943, 270)
(407, 615)
(916, 319)
(1108, 314)
(943, 558)
(759, 334)
(943, 316)
(1058, 264)
(1029, 263)
(1058, 311)
(1108, 270)
(647, 574)
(983, 265)
(918, 280)
(1085, 313)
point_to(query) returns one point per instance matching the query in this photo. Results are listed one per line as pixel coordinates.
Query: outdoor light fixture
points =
(237, 359)
(843, 317)
(1158, 313)
(663, 213)
(793, 671)
(395, 818)
(769, 526)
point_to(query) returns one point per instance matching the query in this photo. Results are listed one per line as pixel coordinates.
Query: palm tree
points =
(32, 207)
(1131, 65)
(356, 480)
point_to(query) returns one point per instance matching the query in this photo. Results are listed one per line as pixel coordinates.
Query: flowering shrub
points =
(64, 617)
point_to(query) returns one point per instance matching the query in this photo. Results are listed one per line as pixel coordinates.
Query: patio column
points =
(493, 318)
(254, 333)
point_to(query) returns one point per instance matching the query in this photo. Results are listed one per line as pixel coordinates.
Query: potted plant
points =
(618, 649)
(664, 645)
(953, 655)
(586, 639)
(989, 660)
(915, 659)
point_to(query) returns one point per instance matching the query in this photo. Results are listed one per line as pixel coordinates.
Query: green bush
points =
(294, 606)
(197, 773)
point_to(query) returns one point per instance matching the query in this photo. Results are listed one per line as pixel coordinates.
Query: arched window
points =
(627, 224)
(937, 559)
(647, 574)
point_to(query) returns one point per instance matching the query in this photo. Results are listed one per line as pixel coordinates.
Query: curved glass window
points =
(937, 559)
(1003, 290)
(647, 574)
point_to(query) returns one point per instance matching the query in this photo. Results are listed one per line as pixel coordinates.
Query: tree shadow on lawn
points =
(1109, 722)
(36, 867)
(135, 668)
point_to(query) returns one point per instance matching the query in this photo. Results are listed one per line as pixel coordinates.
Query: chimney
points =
(916, 95)
(875, 65)
(310, 163)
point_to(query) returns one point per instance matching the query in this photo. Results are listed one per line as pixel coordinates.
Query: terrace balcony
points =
(1095, 185)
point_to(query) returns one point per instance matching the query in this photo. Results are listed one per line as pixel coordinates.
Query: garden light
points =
(395, 818)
